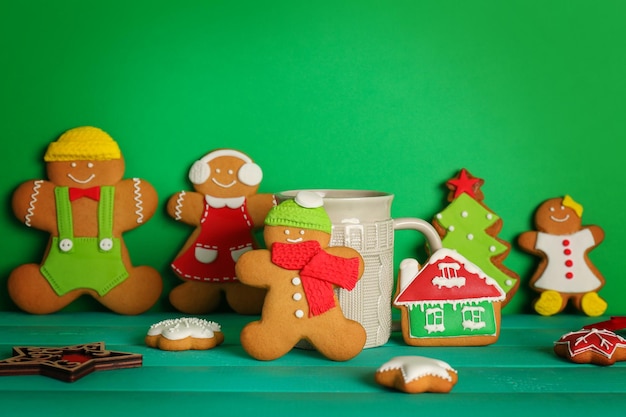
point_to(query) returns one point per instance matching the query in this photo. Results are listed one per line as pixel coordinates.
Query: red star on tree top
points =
(465, 183)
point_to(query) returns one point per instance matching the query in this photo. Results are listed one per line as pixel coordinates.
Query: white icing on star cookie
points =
(414, 367)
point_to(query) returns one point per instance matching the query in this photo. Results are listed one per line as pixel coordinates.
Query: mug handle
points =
(427, 229)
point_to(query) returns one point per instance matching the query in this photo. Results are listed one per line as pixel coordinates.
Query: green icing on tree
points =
(469, 227)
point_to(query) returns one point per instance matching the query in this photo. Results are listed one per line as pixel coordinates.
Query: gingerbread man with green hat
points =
(300, 272)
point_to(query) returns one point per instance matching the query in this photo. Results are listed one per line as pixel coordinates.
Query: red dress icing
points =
(225, 233)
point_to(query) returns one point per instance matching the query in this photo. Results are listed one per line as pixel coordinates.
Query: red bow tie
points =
(93, 193)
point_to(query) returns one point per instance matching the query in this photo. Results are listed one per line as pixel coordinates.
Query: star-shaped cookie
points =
(68, 363)
(416, 374)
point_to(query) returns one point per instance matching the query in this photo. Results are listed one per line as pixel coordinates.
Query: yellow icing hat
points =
(83, 144)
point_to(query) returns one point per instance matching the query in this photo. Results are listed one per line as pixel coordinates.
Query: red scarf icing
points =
(319, 271)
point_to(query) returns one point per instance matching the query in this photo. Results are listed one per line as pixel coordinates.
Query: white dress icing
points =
(553, 278)
(414, 367)
(181, 328)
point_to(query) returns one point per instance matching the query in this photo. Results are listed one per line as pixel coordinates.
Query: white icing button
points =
(66, 245)
(464, 213)
(489, 216)
(492, 248)
(299, 314)
(106, 244)
(296, 281)
(297, 296)
(470, 236)
(451, 229)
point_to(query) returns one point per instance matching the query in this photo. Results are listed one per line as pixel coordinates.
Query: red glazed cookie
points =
(225, 209)
(187, 333)
(85, 206)
(597, 346)
(565, 272)
(300, 273)
(417, 374)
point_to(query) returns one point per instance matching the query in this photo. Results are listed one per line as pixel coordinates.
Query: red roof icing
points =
(477, 285)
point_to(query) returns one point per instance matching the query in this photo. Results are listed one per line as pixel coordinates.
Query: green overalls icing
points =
(84, 262)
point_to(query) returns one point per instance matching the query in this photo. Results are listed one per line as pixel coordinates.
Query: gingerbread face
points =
(227, 175)
(554, 217)
(285, 234)
(85, 174)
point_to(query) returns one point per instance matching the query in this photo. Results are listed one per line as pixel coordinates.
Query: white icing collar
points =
(232, 203)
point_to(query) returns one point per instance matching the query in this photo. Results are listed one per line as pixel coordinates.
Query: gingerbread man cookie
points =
(225, 209)
(85, 205)
(300, 273)
(565, 271)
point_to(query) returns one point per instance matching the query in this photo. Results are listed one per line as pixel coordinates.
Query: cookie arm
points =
(346, 252)
(186, 207)
(255, 268)
(136, 201)
(259, 206)
(33, 203)
(598, 234)
(527, 241)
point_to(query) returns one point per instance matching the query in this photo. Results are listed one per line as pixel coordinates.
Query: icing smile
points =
(92, 176)
(560, 219)
(294, 240)
(223, 185)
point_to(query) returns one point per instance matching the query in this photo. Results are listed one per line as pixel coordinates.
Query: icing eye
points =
(301, 232)
(230, 172)
(287, 231)
(562, 207)
(552, 209)
(218, 170)
(73, 164)
(90, 165)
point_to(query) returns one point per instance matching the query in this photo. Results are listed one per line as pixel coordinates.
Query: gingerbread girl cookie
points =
(565, 271)
(225, 209)
(300, 273)
(85, 206)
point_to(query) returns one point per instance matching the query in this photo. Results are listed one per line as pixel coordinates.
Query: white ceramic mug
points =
(362, 220)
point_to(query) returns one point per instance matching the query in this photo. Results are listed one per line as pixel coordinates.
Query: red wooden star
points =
(465, 183)
(68, 363)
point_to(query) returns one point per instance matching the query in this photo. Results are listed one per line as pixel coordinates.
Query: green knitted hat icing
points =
(293, 213)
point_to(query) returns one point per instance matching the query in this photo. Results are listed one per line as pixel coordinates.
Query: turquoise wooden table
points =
(519, 375)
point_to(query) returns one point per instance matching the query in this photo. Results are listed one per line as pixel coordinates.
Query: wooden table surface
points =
(518, 375)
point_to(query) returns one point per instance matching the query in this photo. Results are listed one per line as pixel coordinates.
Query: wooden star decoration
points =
(465, 183)
(68, 363)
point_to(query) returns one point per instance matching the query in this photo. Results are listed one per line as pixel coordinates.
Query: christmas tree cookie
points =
(468, 226)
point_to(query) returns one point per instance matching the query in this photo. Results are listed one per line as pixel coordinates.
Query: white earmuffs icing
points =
(249, 174)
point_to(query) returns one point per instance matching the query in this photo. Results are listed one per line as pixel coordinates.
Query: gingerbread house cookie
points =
(448, 302)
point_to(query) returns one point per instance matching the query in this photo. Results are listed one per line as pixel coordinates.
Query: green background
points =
(389, 95)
